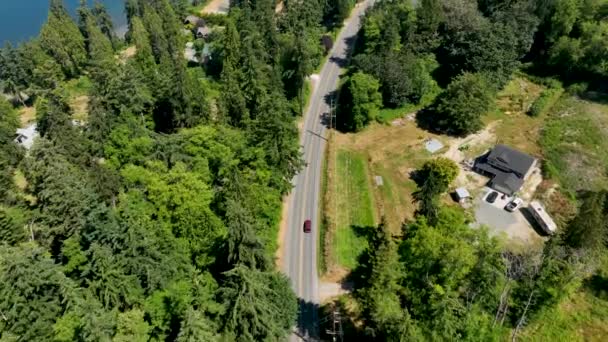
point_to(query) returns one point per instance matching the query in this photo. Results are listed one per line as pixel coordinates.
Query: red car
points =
(307, 226)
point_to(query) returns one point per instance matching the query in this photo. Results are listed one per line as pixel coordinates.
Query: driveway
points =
(513, 224)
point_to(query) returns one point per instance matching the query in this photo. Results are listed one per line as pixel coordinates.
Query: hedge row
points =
(545, 101)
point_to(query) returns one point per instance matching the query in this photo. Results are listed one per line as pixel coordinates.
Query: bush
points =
(578, 88)
(545, 101)
(459, 109)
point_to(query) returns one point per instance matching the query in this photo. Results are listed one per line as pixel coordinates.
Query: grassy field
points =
(355, 207)
(584, 317)
(352, 201)
(387, 115)
(575, 141)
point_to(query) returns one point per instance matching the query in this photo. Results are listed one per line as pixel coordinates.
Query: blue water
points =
(21, 20)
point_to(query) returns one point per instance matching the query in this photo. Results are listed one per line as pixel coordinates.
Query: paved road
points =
(300, 249)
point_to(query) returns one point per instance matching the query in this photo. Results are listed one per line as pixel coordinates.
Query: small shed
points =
(203, 32)
(379, 181)
(462, 194)
(433, 145)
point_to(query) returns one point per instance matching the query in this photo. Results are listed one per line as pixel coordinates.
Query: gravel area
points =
(493, 215)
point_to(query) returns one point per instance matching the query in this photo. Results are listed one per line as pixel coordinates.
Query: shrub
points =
(578, 88)
(545, 101)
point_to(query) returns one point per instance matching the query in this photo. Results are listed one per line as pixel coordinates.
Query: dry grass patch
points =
(127, 53)
(80, 107)
(27, 115)
(516, 128)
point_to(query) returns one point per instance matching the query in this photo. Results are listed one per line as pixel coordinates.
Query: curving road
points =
(300, 249)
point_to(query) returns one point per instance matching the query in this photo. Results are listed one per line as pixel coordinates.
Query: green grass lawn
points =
(584, 317)
(353, 199)
(574, 142)
(386, 115)
(78, 86)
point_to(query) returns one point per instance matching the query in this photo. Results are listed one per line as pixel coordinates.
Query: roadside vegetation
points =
(452, 70)
(147, 207)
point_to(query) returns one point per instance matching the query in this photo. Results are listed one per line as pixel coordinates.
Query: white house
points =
(26, 136)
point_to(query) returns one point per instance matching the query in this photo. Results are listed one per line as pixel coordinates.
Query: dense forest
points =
(439, 280)
(154, 216)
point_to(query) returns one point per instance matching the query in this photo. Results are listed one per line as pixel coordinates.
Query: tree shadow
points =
(417, 177)
(307, 327)
(358, 278)
(342, 62)
(331, 98)
(598, 285)
(594, 96)
(426, 119)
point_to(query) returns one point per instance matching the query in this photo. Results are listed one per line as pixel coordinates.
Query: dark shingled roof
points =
(507, 181)
(508, 166)
(511, 159)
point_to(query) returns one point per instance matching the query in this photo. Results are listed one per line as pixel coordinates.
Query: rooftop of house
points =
(203, 31)
(194, 20)
(511, 159)
(25, 136)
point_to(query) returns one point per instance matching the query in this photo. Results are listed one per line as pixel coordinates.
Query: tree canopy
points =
(148, 207)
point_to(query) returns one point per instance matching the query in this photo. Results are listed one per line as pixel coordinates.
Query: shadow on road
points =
(342, 61)
(308, 315)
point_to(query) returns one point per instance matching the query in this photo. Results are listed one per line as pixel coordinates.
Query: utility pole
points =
(335, 331)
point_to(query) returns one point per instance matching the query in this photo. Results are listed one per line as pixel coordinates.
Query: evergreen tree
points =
(12, 226)
(233, 102)
(244, 248)
(62, 40)
(427, 197)
(144, 58)
(197, 327)
(105, 24)
(259, 305)
(9, 152)
(13, 75)
(154, 27)
(274, 131)
(386, 319)
(63, 196)
(33, 294)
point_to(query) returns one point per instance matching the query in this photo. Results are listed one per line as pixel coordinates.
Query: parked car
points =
(307, 226)
(492, 197)
(514, 204)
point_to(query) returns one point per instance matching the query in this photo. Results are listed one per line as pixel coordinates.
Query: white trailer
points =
(542, 217)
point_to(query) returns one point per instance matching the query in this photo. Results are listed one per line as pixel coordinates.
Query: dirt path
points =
(282, 230)
(474, 141)
(217, 7)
